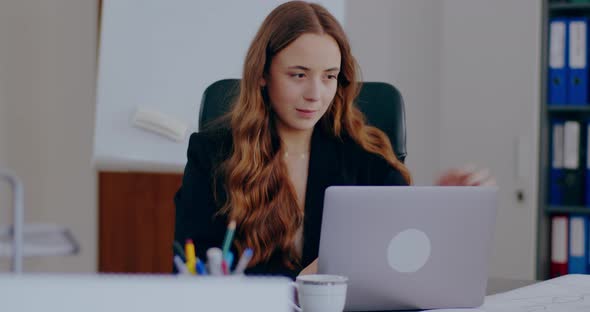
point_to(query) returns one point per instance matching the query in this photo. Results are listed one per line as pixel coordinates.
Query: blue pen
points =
(229, 259)
(200, 267)
(243, 262)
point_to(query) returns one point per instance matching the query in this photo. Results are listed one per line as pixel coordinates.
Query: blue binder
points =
(577, 93)
(587, 170)
(558, 63)
(578, 252)
(587, 244)
(557, 162)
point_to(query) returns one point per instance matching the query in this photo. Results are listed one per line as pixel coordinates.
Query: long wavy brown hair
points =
(260, 196)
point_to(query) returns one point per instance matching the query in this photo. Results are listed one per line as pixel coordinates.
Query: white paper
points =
(571, 144)
(455, 310)
(567, 293)
(577, 236)
(557, 44)
(559, 239)
(577, 51)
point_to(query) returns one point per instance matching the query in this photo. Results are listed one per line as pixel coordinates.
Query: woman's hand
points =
(468, 176)
(312, 268)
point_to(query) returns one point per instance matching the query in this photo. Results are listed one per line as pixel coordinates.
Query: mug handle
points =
(293, 305)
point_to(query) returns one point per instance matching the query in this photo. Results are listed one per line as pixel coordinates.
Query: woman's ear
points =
(262, 82)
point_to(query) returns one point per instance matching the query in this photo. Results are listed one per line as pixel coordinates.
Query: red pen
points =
(224, 268)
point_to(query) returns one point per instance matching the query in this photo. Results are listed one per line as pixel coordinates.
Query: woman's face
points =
(302, 81)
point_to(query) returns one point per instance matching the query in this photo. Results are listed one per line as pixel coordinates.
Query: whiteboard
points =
(162, 55)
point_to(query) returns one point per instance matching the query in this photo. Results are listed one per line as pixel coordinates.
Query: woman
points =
(292, 132)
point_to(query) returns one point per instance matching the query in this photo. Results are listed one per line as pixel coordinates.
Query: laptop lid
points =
(408, 248)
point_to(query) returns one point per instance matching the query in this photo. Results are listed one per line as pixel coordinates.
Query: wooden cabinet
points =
(136, 221)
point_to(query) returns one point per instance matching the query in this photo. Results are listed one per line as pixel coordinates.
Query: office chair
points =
(381, 103)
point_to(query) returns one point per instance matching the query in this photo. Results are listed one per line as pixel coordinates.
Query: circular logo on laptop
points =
(408, 251)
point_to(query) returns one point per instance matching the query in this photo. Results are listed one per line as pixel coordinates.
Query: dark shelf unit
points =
(546, 211)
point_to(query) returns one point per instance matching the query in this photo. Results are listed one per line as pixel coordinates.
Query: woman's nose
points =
(313, 90)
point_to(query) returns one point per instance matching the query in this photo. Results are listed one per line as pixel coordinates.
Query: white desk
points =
(153, 293)
(500, 285)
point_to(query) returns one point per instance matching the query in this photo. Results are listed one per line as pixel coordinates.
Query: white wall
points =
(3, 113)
(489, 97)
(47, 57)
(5, 194)
(399, 42)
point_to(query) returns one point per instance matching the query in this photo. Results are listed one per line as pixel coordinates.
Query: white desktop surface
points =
(100, 293)
(146, 293)
(500, 285)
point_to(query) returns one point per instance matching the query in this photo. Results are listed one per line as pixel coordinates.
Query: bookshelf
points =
(566, 7)
(580, 210)
(579, 113)
(571, 110)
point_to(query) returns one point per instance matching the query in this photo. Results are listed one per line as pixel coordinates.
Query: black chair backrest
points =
(381, 103)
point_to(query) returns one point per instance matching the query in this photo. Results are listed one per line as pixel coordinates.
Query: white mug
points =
(321, 292)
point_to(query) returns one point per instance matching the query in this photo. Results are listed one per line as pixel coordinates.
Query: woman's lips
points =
(305, 113)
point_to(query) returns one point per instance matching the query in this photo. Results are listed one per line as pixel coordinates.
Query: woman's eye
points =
(298, 75)
(332, 76)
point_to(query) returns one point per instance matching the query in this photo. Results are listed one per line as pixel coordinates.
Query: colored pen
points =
(224, 268)
(214, 259)
(180, 266)
(243, 262)
(191, 258)
(229, 236)
(179, 251)
(229, 259)
(200, 267)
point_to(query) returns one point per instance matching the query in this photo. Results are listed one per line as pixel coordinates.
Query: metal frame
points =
(18, 219)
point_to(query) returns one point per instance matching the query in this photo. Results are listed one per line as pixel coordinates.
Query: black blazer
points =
(332, 162)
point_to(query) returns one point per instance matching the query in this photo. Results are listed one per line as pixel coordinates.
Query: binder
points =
(587, 175)
(578, 257)
(587, 244)
(573, 175)
(559, 242)
(558, 67)
(577, 93)
(556, 172)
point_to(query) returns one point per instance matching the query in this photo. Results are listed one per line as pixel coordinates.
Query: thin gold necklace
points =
(300, 155)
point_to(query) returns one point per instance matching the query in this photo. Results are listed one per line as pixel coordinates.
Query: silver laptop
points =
(406, 248)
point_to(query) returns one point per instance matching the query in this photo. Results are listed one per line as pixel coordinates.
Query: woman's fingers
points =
(479, 177)
(467, 176)
(451, 177)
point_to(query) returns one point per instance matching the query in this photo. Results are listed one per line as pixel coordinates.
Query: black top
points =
(332, 161)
